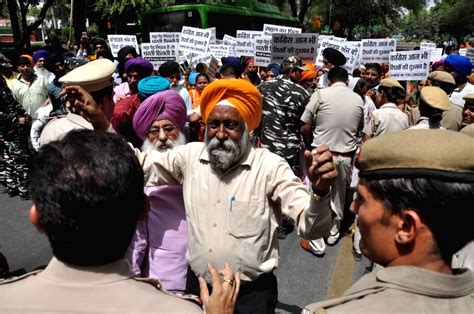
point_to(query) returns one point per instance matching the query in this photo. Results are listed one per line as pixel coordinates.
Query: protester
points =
(331, 58)
(84, 49)
(87, 192)
(460, 67)
(39, 59)
(30, 90)
(6, 70)
(468, 116)
(231, 68)
(159, 245)
(407, 220)
(272, 72)
(433, 102)
(334, 116)
(309, 79)
(201, 81)
(125, 53)
(136, 70)
(170, 70)
(233, 193)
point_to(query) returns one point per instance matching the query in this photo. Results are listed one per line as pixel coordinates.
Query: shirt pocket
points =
(245, 219)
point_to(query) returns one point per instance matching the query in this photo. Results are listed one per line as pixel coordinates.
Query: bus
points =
(227, 16)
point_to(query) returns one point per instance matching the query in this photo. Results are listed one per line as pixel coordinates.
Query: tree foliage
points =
(455, 17)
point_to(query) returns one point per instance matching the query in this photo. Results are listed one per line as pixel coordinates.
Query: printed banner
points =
(409, 65)
(245, 45)
(301, 45)
(269, 29)
(377, 50)
(116, 42)
(158, 54)
(351, 50)
(263, 50)
(194, 40)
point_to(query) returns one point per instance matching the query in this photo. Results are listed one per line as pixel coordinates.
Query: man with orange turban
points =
(309, 78)
(235, 194)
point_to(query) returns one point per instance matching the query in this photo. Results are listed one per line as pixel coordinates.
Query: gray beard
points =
(163, 146)
(224, 155)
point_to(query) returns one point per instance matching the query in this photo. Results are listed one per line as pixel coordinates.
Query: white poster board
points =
(230, 41)
(409, 65)
(158, 54)
(377, 50)
(435, 54)
(269, 29)
(219, 51)
(194, 40)
(427, 46)
(200, 59)
(164, 38)
(470, 54)
(245, 45)
(116, 42)
(212, 40)
(263, 50)
(302, 45)
(350, 50)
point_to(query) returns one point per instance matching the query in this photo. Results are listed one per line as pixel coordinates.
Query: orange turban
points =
(29, 58)
(308, 75)
(240, 93)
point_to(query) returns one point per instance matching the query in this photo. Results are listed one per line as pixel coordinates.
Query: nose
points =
(162, 136)
(221, 133)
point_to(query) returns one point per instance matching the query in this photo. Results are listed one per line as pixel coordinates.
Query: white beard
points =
(163, 146)
(224, 155)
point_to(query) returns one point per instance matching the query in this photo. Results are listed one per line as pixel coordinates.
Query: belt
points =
(348, 155)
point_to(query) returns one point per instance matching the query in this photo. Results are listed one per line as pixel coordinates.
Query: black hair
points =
(375, 66)
(356, 73)
(23, 60)
(230, 70)
(200, 68)
(102, 42)
(203, 75)
(51, 60)
(254, 78)
(100, 94)
(359, 87)
(338, 74)
(88, 191)
(393, 94)
(106, 54)
(440, 204)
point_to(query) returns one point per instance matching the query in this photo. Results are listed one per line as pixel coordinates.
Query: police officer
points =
(407, 219)
(433, 102)
(468, 115)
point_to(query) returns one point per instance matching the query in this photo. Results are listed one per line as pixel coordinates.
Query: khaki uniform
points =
(469, 130)
(452, 118)
(61, 288)
(57, 128)
(388, 118)
(404, 289)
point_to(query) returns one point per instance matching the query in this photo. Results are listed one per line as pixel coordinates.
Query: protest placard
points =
(269, 29)
(164, 38)
(116, 42)
(435, 54)
(213, 38)
(219, 51)
(351, 50)
(427, 46)
(409, 65)
(462, 52)
(230, 41)
(377, 50)
(263, 50)
(245, 45)
(470, 54)
(194, 40)
(301, 45)
(195, 59)
(158, 54)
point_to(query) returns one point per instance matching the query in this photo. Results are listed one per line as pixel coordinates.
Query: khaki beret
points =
(469, 98)
(391, 83)
(442, 76)
(437, 154)
(92, 76)
(435, 97)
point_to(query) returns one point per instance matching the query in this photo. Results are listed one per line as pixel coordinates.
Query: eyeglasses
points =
(155, 131)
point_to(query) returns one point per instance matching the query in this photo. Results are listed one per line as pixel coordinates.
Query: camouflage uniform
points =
(14, 150)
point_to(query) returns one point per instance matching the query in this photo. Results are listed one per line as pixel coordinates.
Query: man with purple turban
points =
(136, 70)
(460, 67)
(234, 194)
(159, 245)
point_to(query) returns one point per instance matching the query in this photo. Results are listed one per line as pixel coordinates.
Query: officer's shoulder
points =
(15, 279)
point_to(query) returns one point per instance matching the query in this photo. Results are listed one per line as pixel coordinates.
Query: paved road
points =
(302, 277)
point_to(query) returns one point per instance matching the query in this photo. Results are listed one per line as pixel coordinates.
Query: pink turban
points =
(167, 105)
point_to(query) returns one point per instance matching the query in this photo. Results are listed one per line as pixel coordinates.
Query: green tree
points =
(455, 17)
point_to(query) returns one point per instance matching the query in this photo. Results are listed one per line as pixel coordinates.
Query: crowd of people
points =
(182, 180)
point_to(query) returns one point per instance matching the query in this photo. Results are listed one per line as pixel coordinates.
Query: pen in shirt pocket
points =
(232, 200)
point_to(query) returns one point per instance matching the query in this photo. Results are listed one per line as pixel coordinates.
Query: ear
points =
(146, 209)
(35, 218)
(408, 227)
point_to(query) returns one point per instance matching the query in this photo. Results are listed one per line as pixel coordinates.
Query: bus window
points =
(229, 24)
(170, 22)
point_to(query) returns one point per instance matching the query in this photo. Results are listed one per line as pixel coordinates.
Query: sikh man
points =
(409, 202)
(460, 68)
(234, 194)
(171, 71)
(30, 89)
(136, 70)
(159, 246)
(334, 116)
(39, 59)
(331, 58)
(96, 78)
(87, 192)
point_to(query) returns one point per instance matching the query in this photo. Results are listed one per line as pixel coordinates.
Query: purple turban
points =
(459, 64)
(164, 105)
(139, 64)
(40, 54)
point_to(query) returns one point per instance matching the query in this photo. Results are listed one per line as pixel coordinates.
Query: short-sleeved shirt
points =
(31, 95)
(233, 216)
(457, 95)
(336, 117)
(388, 118)
(283, 104)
